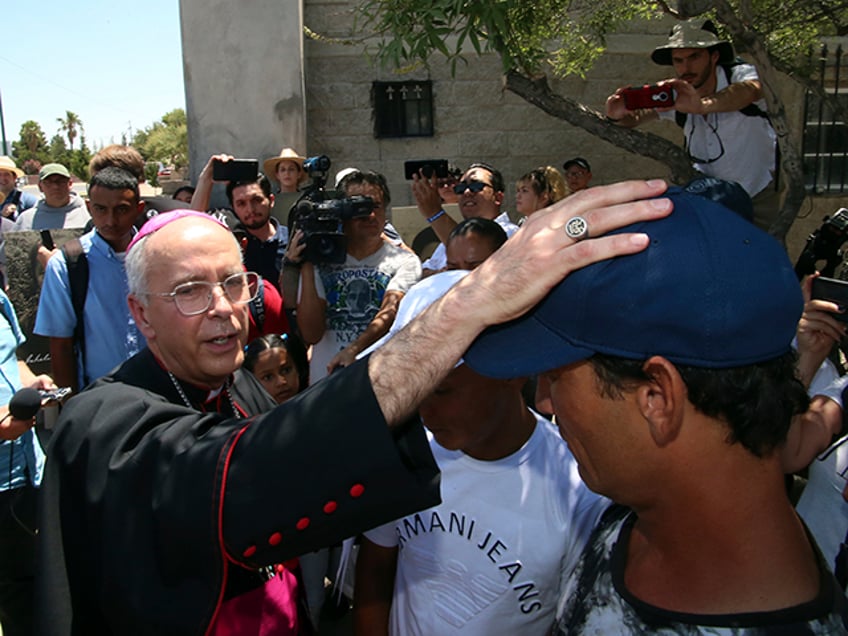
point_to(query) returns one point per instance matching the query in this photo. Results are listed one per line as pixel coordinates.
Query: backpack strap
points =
(77, 264)
(257, 306)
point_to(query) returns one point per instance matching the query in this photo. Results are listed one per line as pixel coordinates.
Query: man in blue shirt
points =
(21, 464)
(109, 333)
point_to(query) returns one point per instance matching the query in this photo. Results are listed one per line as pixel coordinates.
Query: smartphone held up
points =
(648, 96)
(235, 170)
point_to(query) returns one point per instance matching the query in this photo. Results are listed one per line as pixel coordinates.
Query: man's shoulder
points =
(28, 200)
(24, 220)
(506, 223)
(394, 251)
(741, 71)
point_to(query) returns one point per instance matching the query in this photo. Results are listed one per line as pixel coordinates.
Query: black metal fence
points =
(825, 142)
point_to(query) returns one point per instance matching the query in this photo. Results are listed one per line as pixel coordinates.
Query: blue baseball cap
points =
(711, 290)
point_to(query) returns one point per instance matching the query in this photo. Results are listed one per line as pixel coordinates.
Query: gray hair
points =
(135, 264)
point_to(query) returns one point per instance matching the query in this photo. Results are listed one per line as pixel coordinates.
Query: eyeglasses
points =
(196, 297)
(717, 136)
(474, 186)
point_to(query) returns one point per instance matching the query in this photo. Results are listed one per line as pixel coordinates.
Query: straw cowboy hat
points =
(6, 163)
(693, 34)
(286, 154)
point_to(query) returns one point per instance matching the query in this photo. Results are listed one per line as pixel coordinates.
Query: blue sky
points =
(118, 65)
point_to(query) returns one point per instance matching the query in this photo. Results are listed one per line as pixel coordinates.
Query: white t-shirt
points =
(354, 291)
(489, 559)
(732, 146)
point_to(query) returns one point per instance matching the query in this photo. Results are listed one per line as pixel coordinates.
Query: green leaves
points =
(567, 36)
(165, 141)
(528, 35)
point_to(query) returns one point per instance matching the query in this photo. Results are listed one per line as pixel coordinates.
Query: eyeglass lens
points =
(196, 297)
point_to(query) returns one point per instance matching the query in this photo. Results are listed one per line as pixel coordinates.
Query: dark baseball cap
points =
(577, 161)
(711, 290)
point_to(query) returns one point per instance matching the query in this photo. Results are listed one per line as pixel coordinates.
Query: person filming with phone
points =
(718, 101)
(249, 194)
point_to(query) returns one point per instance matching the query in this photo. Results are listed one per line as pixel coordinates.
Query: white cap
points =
(417, 299)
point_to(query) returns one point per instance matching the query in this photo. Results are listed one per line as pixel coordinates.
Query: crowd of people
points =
(251, 418)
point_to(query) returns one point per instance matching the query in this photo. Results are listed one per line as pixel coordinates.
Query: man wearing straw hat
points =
(14, 200)
(719, 105)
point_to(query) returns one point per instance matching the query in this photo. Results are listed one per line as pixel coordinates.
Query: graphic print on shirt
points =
(354, 295)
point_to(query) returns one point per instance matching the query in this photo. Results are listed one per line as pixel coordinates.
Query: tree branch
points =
(537, 92)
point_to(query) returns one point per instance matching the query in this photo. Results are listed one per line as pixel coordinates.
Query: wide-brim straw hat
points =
(6, 163)
(286, 154)
(693, 34)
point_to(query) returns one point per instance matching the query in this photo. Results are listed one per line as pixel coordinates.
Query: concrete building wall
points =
(244, 77)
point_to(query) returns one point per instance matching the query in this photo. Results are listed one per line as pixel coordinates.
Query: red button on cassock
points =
(275, 538)
(303, 523)
(356, 490)
(330, 507)
(249, 552)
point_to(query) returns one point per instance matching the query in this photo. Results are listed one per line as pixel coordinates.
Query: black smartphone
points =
(235, 170)
(833, 290)
(47, 240)
(427, 167)
(648, 96)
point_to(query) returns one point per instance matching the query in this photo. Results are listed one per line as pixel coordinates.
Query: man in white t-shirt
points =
(719, 103)
(344, 308)
(514, 516)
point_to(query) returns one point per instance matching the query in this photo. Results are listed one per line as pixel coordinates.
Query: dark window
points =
(826, 132)
(403, 109)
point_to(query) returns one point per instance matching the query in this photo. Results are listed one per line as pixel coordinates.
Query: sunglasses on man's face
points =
(474, 186)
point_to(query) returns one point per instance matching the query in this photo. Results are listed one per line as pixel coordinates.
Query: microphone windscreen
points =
(25, 404)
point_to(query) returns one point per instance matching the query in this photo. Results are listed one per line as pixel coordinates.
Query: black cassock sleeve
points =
(147, 504)
(321, 468)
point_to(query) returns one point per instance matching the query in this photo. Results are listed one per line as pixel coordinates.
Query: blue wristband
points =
(437, 215)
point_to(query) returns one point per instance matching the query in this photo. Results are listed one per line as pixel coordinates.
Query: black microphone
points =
(25, 404)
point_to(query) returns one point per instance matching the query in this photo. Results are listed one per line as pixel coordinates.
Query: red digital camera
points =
(648, 96)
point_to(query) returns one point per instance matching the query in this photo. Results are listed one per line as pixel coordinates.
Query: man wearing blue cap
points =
(673, 382)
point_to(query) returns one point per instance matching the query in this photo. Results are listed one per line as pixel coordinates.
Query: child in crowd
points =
(279, 363)
(538, 189)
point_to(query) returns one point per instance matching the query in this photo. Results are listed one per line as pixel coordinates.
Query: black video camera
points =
(320, 214)
(825, 244)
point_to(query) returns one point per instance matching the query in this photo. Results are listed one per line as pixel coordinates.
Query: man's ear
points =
(715, 55)
(271, 200)
(662, 400)
(139, 314)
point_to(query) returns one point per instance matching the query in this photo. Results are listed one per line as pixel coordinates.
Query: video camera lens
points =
(317, 164)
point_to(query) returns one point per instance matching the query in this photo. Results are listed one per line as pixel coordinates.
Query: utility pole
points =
(3, 127)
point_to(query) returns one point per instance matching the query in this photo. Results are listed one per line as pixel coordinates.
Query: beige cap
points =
(693, 34)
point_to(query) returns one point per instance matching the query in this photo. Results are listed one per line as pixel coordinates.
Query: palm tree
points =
(70, 125)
